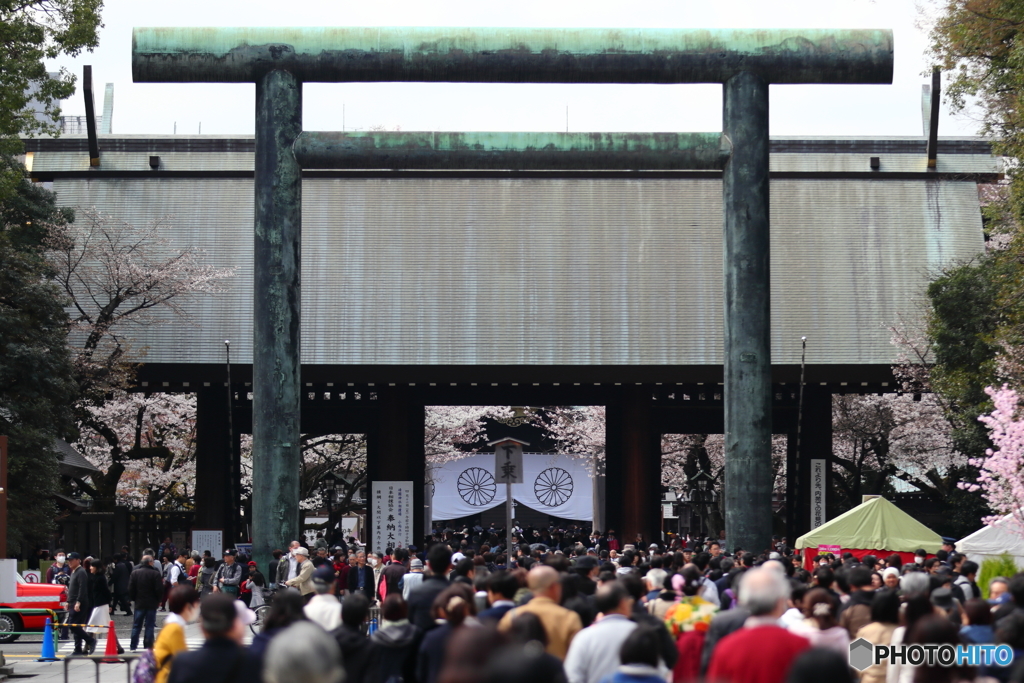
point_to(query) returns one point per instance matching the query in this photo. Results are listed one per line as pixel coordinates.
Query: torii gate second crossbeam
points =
(280, 60)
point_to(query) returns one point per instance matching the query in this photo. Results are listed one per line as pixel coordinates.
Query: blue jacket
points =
(495, 613)
(634, 673)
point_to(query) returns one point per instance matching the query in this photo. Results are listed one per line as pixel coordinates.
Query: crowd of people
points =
(566, 608)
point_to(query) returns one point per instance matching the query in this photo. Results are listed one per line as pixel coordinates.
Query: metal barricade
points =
(102, 659)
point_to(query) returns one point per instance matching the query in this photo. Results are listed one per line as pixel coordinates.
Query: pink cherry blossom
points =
(1001, 472)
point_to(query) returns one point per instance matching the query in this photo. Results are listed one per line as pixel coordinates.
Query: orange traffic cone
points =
(110, 654)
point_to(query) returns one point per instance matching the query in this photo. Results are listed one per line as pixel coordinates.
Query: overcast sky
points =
(878, 110)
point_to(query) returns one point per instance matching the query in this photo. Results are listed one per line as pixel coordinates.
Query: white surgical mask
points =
(372, 561)
(60, 559)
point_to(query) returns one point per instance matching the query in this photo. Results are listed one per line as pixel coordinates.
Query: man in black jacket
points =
(357, 652)
(439, 560)
(119, 584)
(79, 605)
(145, 588)
(221, 659)
(361, 579)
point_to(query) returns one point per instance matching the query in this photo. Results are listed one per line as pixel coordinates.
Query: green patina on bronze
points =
(513, 151)
(512, 55)
(277, 261)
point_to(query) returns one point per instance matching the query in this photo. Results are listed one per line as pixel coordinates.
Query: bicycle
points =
(262, 611)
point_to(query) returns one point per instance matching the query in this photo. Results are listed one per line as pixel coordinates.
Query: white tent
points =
(991, 541)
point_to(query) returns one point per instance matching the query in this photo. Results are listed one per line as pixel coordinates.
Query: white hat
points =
(302, 551)
(246, 615)
(891, 571)
(456, 557)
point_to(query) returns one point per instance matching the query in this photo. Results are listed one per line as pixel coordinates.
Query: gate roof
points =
(549, 269)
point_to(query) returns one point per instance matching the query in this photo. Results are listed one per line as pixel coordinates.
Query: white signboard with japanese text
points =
(818, 478)
(391, 514)
(508, 463)
(208, 539)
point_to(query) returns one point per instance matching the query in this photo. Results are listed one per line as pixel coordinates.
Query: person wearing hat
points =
(303, 580)
(413, 579)
(228, 579)
(943, 599)
(222, 658)
(323, 607)
(252, 586)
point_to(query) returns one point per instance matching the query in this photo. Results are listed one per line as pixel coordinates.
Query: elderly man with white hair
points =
(762, 651)
(728, 621)
(303, 652)
(303, 580)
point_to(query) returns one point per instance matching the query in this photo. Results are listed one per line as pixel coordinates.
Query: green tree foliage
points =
(964, 324)
(976, 316)
(978, 43)
(1003, 566)
(32, 31)
(36, 383)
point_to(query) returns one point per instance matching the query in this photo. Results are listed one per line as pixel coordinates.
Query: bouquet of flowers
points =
(689, 614)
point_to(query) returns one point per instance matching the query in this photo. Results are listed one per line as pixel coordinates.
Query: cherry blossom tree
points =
(453, 432)
(1001, 472)
(154, 449)
(578, 431)
(878, 440)
(118, 276)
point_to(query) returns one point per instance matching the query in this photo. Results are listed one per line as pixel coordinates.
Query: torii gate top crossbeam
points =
(512, 55)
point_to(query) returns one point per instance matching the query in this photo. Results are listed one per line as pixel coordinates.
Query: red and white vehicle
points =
(32, 596)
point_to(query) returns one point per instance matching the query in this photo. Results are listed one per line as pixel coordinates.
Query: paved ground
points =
(22, 655)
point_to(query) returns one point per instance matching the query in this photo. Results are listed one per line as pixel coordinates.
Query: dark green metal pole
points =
(748, 365)
(276, 382)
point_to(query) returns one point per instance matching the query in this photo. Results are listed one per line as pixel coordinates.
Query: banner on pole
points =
(508, 463)
(391, 508)
(818, 477)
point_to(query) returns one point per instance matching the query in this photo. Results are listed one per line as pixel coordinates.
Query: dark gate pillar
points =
(815, 443)
(748, 364)
(395, 451)
(276, 382)
(633, 467)
(213, 460)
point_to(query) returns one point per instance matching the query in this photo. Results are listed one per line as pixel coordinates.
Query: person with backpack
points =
(229, 576)
(177, 575)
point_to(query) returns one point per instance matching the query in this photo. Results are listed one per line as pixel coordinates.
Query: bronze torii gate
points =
(280, 60)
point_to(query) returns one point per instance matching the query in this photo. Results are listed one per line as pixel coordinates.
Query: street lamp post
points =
(698, 485)
(332, 487)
